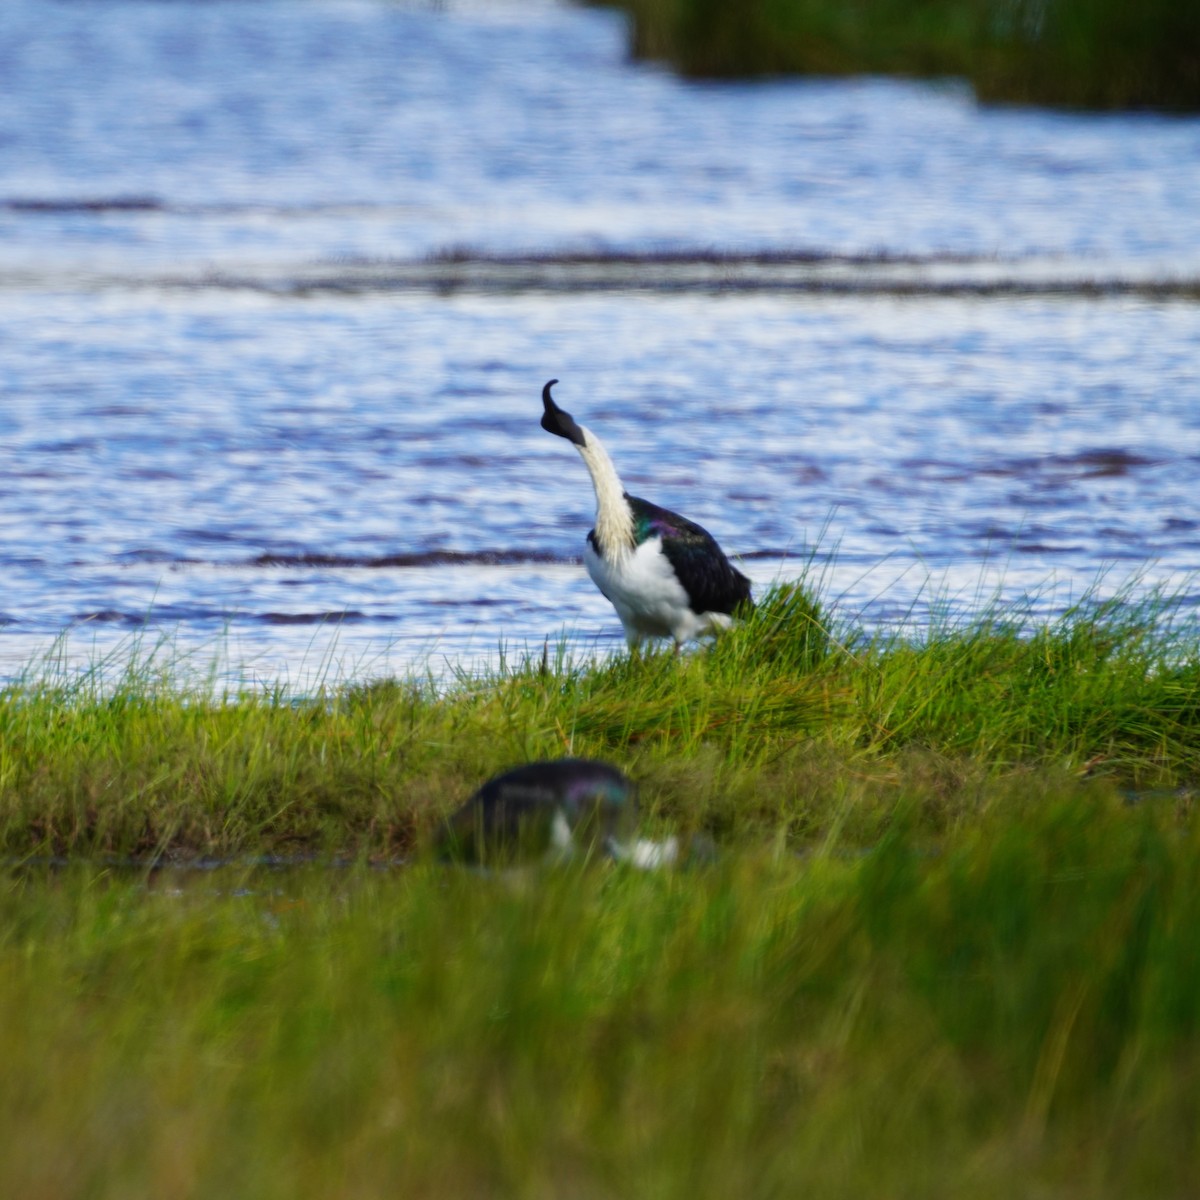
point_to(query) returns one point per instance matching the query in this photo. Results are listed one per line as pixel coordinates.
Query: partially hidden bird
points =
(558, 809)
(665, 575)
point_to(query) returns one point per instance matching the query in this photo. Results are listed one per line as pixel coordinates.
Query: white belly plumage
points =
(649, 599)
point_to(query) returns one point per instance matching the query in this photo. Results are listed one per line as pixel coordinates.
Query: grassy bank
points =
(1016, 1015)
(948, 947)
(1083, 53)
(791, 727)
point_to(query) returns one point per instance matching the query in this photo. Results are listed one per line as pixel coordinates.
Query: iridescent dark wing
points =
(712, 582)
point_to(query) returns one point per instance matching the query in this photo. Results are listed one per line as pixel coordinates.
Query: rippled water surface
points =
(280, 283)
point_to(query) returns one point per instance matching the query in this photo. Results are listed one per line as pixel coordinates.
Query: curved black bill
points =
(556, 420)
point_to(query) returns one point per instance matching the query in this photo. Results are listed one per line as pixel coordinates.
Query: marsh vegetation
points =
(1078, 53)
(792, 726)
(947, 947)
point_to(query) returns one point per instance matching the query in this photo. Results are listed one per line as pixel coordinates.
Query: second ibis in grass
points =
(560, 809)
(664, 574)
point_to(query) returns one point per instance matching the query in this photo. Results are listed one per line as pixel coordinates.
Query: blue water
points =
(280, 283)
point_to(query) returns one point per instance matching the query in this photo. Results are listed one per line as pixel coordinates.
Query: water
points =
(280, 283)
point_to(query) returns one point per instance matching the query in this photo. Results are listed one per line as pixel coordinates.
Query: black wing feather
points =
(712, 582)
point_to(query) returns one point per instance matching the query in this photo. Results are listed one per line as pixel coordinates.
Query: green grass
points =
(1082, 53)
(790, 727)
(948, 946)
(1016, 1015)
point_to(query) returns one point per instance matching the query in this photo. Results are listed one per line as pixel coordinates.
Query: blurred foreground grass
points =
(949, 946)
(1081, 53)
(1013, 1015)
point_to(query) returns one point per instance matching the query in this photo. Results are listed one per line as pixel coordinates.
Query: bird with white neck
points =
(665, 575)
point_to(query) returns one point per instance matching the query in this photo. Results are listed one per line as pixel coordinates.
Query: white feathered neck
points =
(614, 518)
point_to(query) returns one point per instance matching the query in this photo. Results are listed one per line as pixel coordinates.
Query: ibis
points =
(558, 809)
(665, 575)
